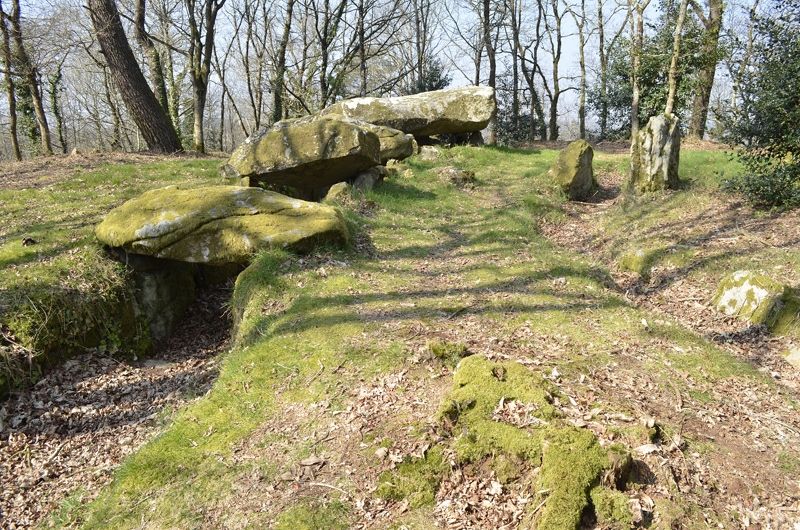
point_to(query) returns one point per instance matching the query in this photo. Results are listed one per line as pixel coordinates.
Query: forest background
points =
(222, 69)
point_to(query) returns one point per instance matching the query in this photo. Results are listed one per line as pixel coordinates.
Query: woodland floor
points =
(107, 409)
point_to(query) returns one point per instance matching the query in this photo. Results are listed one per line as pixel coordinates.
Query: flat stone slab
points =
(307, 153)
(450, 111)
(218, 225)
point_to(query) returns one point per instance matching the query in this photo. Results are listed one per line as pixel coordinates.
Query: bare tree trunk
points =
(673, 65)
(201, 50)
(490, 54)
(156, 128)
(12, 100)
(53, 88)
(580, 22)
(280, 67)
(637, 43)
(153, 57)
(710, 54)
(31, 77)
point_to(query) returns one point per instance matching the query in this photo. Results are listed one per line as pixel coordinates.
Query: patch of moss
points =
(478, 387)
(572, 463)
(448, 352)
(416, 480)
(611, 508)
(314, 517)
(640, 261)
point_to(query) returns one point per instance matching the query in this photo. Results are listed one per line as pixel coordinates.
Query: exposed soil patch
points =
(64, 437)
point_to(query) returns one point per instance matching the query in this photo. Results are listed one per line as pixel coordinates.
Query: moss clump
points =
(640, 261)
(611, 507)
(416, 480)
(309, 517)
(572, 461)
(478, 387)
(448, 352)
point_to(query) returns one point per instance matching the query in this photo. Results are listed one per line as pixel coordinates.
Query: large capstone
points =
(573, 170)
(451, 111)
(218, 225)
(307, 153)
(655, 155)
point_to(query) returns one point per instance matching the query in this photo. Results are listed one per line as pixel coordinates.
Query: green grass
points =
(445, 257)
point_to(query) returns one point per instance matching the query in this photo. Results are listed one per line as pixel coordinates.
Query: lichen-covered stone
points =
(573, 170)
(748, 295)
(428, 153)
(218, 225)
(655, 156)
(366, 180)
(337, 193)
(455, 175)
(639, 261)
(308, 153)
(395, 168)
(449, 111)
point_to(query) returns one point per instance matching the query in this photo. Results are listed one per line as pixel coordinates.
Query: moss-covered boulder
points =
(306, 153)
(218, 225)
(395, 144)
(655, 156)
(573, 170)
(760, 300)
(450, 111)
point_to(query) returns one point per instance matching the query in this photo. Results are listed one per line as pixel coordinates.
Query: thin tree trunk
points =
(152, 55)
(12, 100)
(492, 66)
(280, 67)
(31, 77)
(142, 104)
(673, 65)
(637, 43)
(710, 54)
(53, 86)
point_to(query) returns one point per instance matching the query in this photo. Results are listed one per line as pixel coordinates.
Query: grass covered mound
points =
(454, 365)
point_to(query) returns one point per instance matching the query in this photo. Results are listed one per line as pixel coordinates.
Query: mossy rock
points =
(450, 111)
(760, 300)
(640, 261)
(655, 156)
(218, 225)
(307, 153)
(573, 170)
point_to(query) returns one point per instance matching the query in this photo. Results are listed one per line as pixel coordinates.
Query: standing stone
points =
(307, 153)
(655, 155)
(395, 145)
(450, 111)
(573, 170)
(366, 180)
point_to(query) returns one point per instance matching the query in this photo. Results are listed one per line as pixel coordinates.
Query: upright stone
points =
(655, 155)
(307, 153)
(573, 170)
(451, 111)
